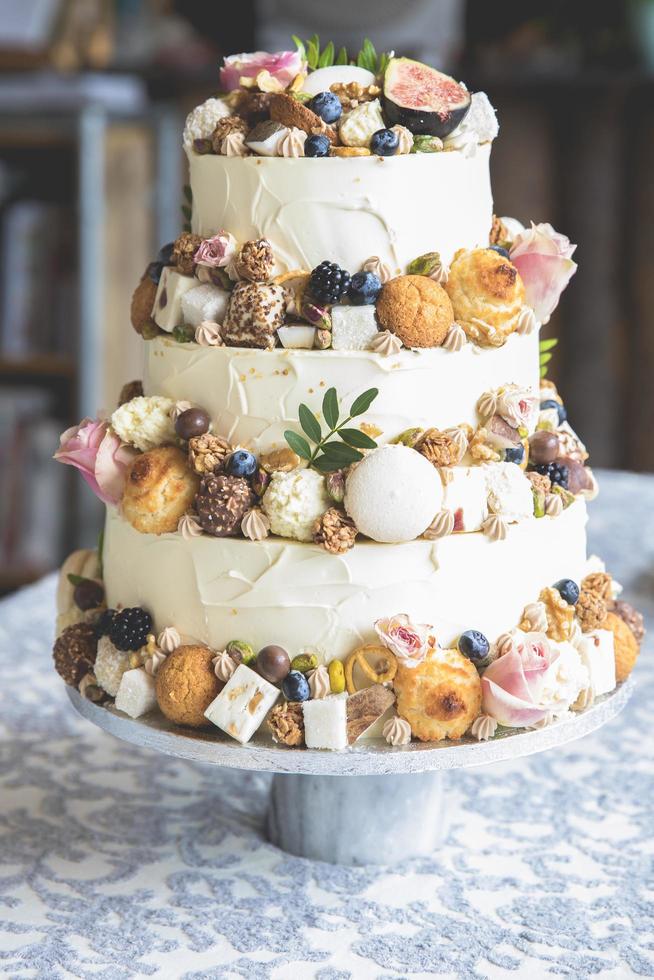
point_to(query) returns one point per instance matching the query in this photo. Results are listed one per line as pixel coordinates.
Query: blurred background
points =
(93, 95)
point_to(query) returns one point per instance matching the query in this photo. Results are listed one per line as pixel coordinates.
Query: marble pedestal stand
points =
(363, 806)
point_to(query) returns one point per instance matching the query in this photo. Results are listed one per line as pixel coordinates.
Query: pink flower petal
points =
(545, 277)
(506, 709)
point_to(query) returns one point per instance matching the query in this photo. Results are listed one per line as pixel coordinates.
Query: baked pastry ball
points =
(441, 697)
(625, 645)
(186, 684)
(159, 490)
(487, 295)
(416, 309)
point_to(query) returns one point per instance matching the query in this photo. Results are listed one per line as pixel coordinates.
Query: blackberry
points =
(104, 621)
(130, 628)
(328, 282)
(557, 472)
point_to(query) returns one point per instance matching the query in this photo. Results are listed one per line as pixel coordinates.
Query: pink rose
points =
(100, 456)
(513, 685)
(216, 252)
(409, 643)
(283, 66)
(542, 256)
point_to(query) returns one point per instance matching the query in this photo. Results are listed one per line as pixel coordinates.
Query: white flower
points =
(479, 125)
(509, 492)
(294, 501)
(518, 406)
(201, 122)
(145, 422)
(566, 677)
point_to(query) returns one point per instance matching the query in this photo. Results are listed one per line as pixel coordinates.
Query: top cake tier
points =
(346, 209)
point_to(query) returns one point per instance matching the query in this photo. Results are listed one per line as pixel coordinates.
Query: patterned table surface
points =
(116, 862)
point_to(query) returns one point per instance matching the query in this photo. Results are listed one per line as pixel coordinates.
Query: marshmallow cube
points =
(297, 338)
(466, 495)
(325, 722)
(597, 655)
(136, 694)
(205, 302)
(167, 308)
(242, 705)
(353, 327)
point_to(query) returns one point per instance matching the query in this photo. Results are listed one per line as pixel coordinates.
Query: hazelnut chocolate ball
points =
(273, 663)
(192, 422)
(543, 447)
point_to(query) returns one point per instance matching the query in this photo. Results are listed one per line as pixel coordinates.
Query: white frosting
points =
(295, 594)
(346, 209)
(252, 396)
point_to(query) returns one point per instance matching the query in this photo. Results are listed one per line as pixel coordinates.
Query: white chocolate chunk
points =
(297, 338)
(466, 495)
(167, 308)
(205, 302)
(358, 125)
(136, 693)
(353, 327)
(325, 722)
(597, 654)
(242, 705)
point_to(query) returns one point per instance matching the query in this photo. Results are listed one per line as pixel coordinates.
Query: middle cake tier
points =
(298, 595)
(253, 396)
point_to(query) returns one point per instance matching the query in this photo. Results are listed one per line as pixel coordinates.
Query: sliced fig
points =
(424, 100)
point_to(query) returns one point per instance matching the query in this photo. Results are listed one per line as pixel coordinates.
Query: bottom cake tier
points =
(297, 595)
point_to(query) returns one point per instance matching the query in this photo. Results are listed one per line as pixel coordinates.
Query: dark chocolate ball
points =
(543, 447)
(273, 663)
(192, 422)
(88, 594)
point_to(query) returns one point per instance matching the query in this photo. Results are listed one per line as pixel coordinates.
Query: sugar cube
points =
(242, 705)
(325, 722)
(136, 694)
(205, 302)
(353, 327)
(167, 308)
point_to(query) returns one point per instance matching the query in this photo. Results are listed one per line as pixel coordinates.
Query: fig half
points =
(424, 100)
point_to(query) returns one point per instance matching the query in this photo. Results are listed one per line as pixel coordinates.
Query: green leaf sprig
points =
(367, 57)
(328, 453)
(545, 348)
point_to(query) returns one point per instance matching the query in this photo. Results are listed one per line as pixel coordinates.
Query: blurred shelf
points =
(38, 367)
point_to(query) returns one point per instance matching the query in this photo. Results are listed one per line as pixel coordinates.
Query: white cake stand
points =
(394, 810)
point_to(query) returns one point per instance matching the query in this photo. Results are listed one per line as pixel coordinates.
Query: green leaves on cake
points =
(341, 445)
(316, 58)
(545, 348)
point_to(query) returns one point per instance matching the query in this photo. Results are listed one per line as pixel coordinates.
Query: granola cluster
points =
(590, 610)
(184, 251)
(440, 448)
(256, 261)
(226, 127)
(207, 453)
(350, 94)
(335, 531)
(286, 722)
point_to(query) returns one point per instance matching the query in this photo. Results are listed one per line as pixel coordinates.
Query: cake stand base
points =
(372, 804)
(358, 821)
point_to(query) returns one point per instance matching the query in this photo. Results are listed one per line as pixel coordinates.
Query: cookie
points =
(187, 684)
(140, 312)
(416, 309)
(349, 151)
(159, 490)
(487, 295)
(625, 646)
(289, 112)
(440, 697)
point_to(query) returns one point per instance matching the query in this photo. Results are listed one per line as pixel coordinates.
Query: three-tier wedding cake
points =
(343, 502)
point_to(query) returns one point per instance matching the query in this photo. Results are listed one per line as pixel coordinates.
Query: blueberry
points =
(384, 143)
(241, 463)
(500, 251)
(473, 645)
(295, 687)
(552, 403)
(364, 289)
(165, 255)
(568, 590)
(514, 454)
(316, 146)
(327, 106)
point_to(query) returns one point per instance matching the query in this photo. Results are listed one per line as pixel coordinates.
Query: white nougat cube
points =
(242, 705)
(167, 308)
(205, 302)
(353, 327)
(466, 495)
(136, 693)
(597, 654)
(325, 722)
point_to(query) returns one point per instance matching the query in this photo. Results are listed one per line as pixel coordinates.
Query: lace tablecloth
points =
(118, 863)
